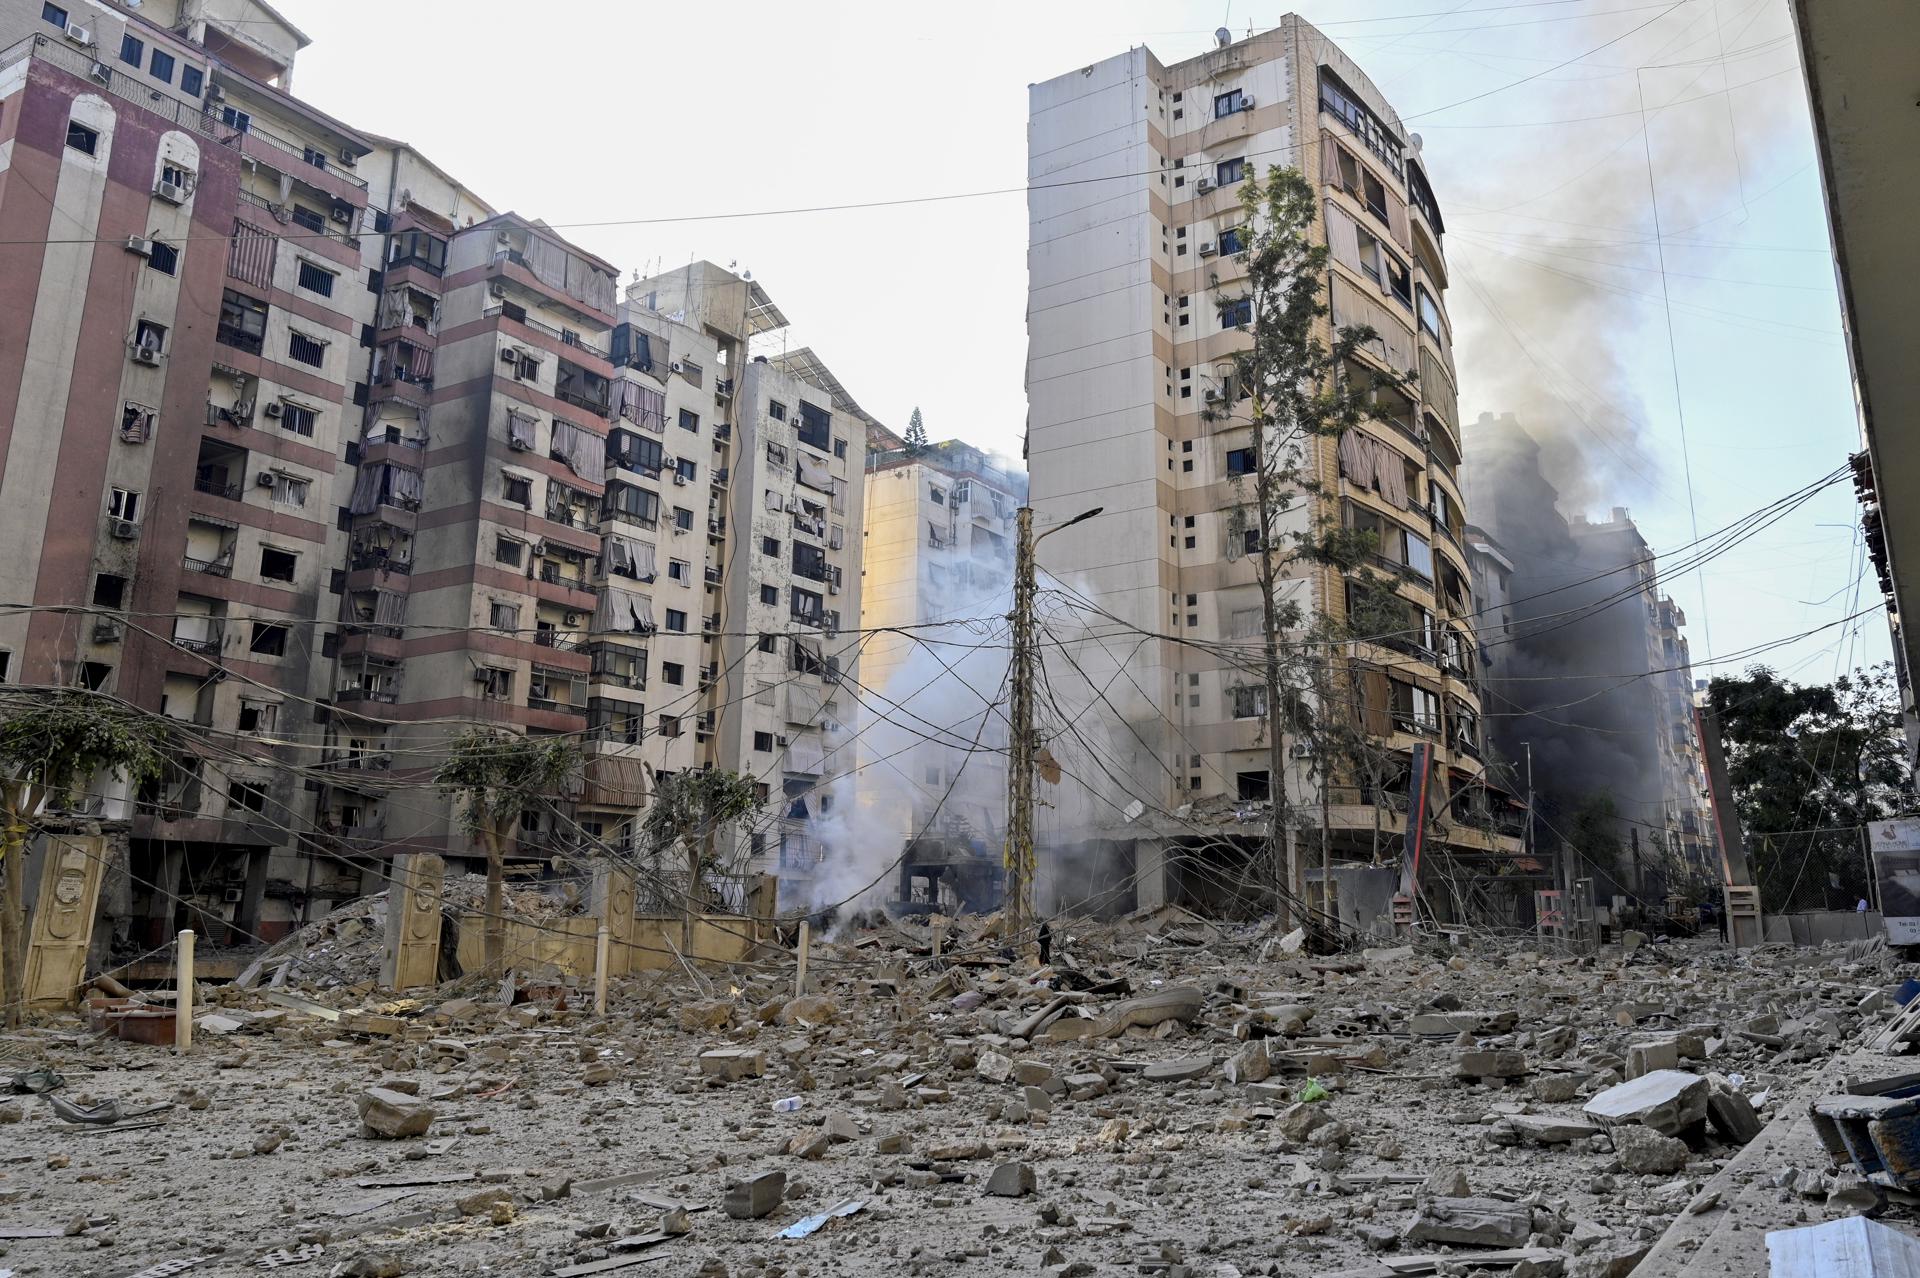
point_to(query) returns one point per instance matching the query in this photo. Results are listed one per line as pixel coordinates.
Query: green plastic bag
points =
(1313, 1091)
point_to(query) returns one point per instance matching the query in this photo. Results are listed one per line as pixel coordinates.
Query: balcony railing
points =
(385, 695)
(220, 416)
(230, 491)
(240, 341)
(381, 560)
(565, 336)
(125, 85)
(556, 641)
(206, 641)
(220, 567)
(297, 153)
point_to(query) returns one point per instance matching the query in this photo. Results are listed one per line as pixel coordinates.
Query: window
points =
(258, 717)
(770, 546)
(1227, 172)
(518, 490)
(133, 50)
(506, 551)
(503, 616)
(1232, 241)
(55, 14)
(1252, 786)
(686, 468)
(777, 454)
(769, 594)
(297, 419)
(269, 639)
(689, 420)
(1240, 461)
(316, 280)
(497, 684)
(192, 81)
(679, 570)
(243, 322)
(776, 410)
(81, 138)
(289, 490)
(163, 257)
(815, 427)
(417, 248)
(673, 672)
(174, 175)
(309, 218)
(1369, 253)
(277, 565)
(1429, 313)
(246, 796)
(123, 503)
(770, 643)
(305, 349)
(1237, 313)
(938, 495)
(669, 725)
(676, 621)
(840, 449)
(1249, 702)
(136, 423)
(526, 368)
(160, 67)
(1399, 282)
(109, 590)
(763, 742)
(1419, 555)
(682, 517)
(1414, 708)
(317, 158)
(1225, 104)
(234, 118)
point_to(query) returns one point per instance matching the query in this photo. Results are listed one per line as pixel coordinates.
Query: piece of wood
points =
(610, 1263)
(600, 945)
(63, 916)
(800, 971)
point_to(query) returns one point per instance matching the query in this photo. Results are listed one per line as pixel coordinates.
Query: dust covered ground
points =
(1168, 1097)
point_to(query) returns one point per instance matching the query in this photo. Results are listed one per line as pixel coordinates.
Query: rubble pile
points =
(1165, 1097)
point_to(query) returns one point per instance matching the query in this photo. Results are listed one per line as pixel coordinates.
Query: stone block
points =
(1032, 1073)
(754, 1198)
(1502, 1062)
(1250, 1064)
(1011, 1180)
(994, 1067)
(732, 1063)
(1545, 1129)
(1473, 1222)
(1556, 1089)
(1645, 1152)
(1645, 1058)
(1732, 1116)
(1667, 1100)
(389, 1115)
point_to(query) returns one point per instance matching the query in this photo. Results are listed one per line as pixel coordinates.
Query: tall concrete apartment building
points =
(940, 533)
(311, 447)
(1135, 171)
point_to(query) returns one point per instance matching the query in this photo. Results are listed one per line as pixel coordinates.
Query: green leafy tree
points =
(690, 810)
(916, 433)
(1288, 385)
(51, 748)
(1808, 765)
(496, 776)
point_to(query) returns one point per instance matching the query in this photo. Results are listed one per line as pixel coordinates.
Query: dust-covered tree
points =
(495, 776)
(1288, 386)
(52, 745)
(690, 810)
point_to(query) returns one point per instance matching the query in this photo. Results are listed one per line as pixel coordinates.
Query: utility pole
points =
(1018, 909)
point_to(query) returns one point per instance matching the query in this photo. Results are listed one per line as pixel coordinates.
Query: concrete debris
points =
(1419, 1108)
(1668, 1100)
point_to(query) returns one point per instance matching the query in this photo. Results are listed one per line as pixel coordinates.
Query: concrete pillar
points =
(165, 890)
(613, 905)
(413, 922)
(1149, 874)
(63, 915)
(246, 919)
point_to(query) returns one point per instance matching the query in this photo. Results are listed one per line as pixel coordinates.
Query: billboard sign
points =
(1896, 873)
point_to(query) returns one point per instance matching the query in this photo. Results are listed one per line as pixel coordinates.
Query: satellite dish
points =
(1416, 140)
(1223, 37)
(1132, 811)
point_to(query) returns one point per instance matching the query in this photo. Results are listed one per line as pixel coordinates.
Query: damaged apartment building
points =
(1132, 411)
(321, 453)
(1564, 596)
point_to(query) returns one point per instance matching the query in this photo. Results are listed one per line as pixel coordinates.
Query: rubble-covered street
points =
(1169, 1096)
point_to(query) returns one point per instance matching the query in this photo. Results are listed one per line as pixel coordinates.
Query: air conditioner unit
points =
(101, 72)
(508, 357)
(125, 529)
(171, 192)
(274, 409)
(482, 675)
(496, 289)
(502, 237)
(79, 34)
(137, 245)
(1208, 248)
(146, 355)
(518, 445)
(1212, 396)
(232, 895)
(679, 478)
(780, 740)
(1203, 185)
(573, 619)
(1246, 102)
(678, 531)
(539, 548)
(106, 631)
(265, 479)
(678, 367)
(347, 156)
(342, 213)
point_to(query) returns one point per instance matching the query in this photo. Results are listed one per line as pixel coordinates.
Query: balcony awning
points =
(615, 781)
(814, 474)
(805, 755)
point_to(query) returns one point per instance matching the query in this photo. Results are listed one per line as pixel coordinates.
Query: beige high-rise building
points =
(1135, 223)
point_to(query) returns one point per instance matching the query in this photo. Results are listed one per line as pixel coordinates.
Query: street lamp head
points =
(1082, 517)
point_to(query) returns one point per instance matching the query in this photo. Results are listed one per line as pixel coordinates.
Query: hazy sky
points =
(676, 118)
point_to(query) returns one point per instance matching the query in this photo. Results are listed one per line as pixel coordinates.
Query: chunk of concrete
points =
(732, 1063)
(754, 1198)
(1250, 1064)
(1472, 1222)
(994, 1067)
(1732, 1116)
(1178, 1071)
(1502, 1062)
(1545, 1129)
(1645, 1152)
(1032, 1073)
(1645, 1058)
(389, 1115)
(1667, 1100)
(1011, 1180)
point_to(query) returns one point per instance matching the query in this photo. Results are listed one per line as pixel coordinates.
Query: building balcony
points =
(227, 335)
(565, 336)
(220, 566)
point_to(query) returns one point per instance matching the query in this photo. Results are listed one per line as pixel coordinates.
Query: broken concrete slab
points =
(1645, 1058)
(1645, 1152)
(733, 1063)
(1470, 1222)
(1495, 1063)
(755, 1197)
(1010, 1180)
(1178, 1071)
(1732, 1115)
(386, 1114)
(1667, 1100)
(1545, 1129)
